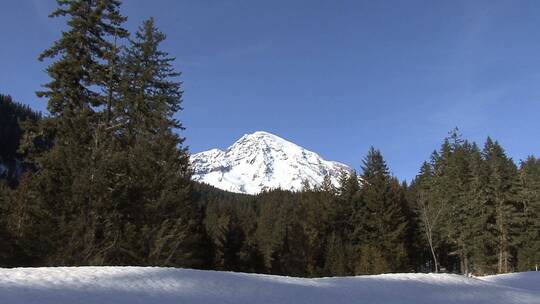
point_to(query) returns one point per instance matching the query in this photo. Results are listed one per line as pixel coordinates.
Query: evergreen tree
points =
(275, 209)
(381, 236)
(338, 256)
(455, 187)
(117, 175)
(13, 116)
(73, 175)
(481, 216)
(529, 240)
(228, 236)
(29, 224)
(504, 187)
(348, 196)
(6, 254)
(315, 207)
(451, 190)
(343, 235)
(155, 189)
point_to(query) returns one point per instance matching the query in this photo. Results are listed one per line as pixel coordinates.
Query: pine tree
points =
(348, 195)
(6, 243)
(481, 216)
(73, 174)
(504, 188)
(158, 165)
(454, 186)
(452, 177)
(529, 240)
(83, 50)
(315, 206)
(150, 91)
(338, 255)
(380, 218)
(272, 228)
(343, 233)
(227, 235)
(13, 116)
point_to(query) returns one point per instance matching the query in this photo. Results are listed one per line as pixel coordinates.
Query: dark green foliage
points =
(231, 228)
(153, 191)
(74, 175)
(480, 197)
(529, 237)
(110, 183)
(380, 220)
(503, 185)
(116, 184)
(6, 241)
(84, 50)
(12, 117)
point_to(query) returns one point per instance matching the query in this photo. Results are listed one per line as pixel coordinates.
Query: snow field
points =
(122, 285)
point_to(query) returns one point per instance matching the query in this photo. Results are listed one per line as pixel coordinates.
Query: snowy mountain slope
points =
(261, 161)
(123, 285)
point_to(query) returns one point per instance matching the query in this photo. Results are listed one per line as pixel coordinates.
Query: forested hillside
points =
(12, 116)
(108, 182)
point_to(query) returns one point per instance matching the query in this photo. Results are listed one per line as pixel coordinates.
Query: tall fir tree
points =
(72, 175)
(481, 216)
(382, 223)
(155, 189)
(529, 238)
(504, 188)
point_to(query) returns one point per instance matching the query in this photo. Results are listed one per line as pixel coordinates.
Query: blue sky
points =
(333, 76)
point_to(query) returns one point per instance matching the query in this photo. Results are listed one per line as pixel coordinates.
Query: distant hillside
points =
(12, 114)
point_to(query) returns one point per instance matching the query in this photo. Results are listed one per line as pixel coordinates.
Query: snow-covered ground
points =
(123, 285)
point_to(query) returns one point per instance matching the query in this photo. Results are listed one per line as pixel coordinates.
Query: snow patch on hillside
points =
(260, 161)
(145, 285)
(524, 280)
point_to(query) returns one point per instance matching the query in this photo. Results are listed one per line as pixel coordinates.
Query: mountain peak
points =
(261, 133)
(264, 137)
(262, 160)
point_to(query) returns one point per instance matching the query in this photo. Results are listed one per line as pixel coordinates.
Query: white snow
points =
(145, 285)
(525, 280)
(260, 161)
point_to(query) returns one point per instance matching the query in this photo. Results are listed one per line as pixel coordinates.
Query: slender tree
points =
(430, 211)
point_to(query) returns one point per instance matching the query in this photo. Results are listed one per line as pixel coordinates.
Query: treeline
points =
(358, 228)
(469, 210)
(105, 180)
(478, 208)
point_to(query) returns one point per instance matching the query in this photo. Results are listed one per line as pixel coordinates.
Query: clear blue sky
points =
(333, 76)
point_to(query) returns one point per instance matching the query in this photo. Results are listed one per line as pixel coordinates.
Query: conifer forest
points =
(104, 178)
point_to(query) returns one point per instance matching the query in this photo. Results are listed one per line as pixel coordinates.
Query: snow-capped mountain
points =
(262, 160)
